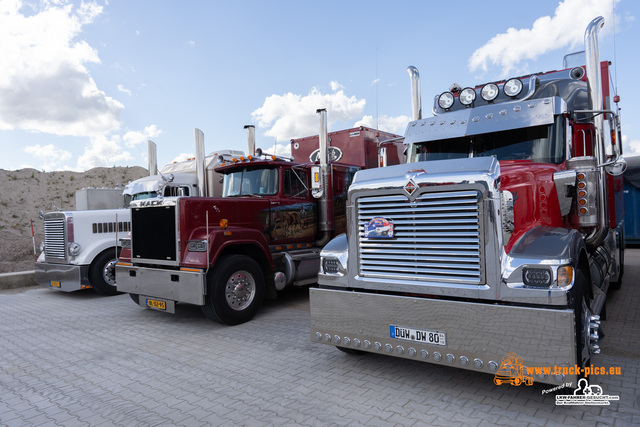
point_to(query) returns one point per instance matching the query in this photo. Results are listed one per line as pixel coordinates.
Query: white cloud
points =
(192, 43)
(50, 156)
(103, 151)
(565, 28)
(44, 84)
(293, 116)
(124, 90)
(335, 86)
(133, 138)
(630, 147)
(395, 124)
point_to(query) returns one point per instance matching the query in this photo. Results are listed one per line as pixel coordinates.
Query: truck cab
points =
(508, 214)
(265, 232)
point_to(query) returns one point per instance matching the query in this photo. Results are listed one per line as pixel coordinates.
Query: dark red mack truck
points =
(502, 234)
(226, 254)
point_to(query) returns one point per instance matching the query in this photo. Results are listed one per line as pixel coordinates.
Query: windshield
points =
(541, 144)
(145, 195)
(250, 181)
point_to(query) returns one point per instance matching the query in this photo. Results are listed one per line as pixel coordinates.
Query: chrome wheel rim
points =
(109, 272)
(240, 290)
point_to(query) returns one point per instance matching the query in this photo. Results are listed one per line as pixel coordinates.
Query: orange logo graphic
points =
(512, 371)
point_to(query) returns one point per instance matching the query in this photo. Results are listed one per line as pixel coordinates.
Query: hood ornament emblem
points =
(410, 187)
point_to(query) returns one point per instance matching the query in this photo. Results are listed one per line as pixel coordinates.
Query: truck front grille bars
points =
(436, 238)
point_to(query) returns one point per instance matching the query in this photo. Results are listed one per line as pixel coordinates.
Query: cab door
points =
(294, 213)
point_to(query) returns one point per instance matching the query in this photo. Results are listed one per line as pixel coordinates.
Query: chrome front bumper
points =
(477, 335)
(65, 277)
(163, 285)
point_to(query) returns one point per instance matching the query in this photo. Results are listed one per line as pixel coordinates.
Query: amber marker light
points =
(224, 223)
(565, 275)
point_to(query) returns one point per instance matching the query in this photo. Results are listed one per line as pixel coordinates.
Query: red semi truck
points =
(265, 232)
(502, 234)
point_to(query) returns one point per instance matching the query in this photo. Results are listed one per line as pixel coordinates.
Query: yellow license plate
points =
(160, 305)
(55, 284)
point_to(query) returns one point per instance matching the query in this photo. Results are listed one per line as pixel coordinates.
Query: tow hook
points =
(594, 333)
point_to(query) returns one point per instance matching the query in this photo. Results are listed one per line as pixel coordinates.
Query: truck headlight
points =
(197, 245)
(125, 242)
(331, 265)
(537, 277)
(74, 249)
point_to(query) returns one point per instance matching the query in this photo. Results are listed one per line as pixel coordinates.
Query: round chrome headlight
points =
(489, 92)
(513, 87)
(74, 249)
(445, 100)
(467, 96)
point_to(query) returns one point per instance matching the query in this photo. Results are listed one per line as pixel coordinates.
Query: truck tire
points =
(235, 289)
(582, 320)
(618, 283)
(102, 273)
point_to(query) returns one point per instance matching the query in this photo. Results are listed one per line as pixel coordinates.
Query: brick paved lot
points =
(80, 359)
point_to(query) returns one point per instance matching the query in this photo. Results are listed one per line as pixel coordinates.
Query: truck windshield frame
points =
(539, 144)
(251, 182)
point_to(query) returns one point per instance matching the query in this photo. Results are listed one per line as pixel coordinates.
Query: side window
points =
(294, 183)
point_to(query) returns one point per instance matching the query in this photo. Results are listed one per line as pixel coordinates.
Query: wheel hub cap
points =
(240, 290)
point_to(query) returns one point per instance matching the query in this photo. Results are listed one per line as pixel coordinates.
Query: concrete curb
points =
(19, 279)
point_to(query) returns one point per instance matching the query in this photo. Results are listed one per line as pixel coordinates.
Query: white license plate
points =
(424, 336)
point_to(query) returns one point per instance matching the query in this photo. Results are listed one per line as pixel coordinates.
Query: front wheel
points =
(102, 273)
(582, 319)
(235, 289)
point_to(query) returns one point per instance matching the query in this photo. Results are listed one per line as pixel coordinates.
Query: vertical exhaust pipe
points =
(152, 158)
(200, 163)
(326, 201)
(594, 83)
(416, 98)
(251, 139)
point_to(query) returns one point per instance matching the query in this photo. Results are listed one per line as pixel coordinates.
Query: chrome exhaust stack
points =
(416, 98)
(152, 158)
(594, 83)
(200, 163)
(251, 140)
(325, 213)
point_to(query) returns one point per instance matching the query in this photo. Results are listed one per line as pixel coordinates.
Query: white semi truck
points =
(81, 248)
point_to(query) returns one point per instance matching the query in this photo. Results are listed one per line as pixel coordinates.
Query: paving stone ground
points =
(83, 360)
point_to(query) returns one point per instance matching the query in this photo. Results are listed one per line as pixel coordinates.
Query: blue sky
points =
(85, 84)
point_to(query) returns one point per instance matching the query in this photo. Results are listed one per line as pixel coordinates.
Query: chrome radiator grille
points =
(55, 238)
(436, 237)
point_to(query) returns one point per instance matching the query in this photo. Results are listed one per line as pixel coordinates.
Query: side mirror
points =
(617, 168)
